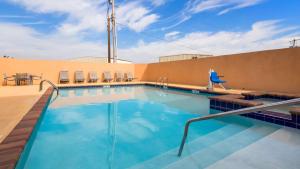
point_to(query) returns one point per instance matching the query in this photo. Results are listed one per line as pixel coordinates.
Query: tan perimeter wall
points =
(274, 70)
(50, 69)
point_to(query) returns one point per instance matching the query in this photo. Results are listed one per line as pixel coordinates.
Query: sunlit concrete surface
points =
(217, 90)
(15, 102)
(8, 91)
(280, 150)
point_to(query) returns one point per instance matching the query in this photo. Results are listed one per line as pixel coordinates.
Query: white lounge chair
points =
(79, 77)
(129, 77)
(119, 77)
(93, 76)
(107, 76)
(64, 77)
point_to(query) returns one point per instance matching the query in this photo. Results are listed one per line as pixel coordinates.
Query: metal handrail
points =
(234, 112)
(158, 80)
(161, 81)
(53, 85)
(165, 81)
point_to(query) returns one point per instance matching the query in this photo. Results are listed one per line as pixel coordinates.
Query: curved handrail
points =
(53, 85)
(166, 81)
(162, 81)
(158, 80)
(234, 112)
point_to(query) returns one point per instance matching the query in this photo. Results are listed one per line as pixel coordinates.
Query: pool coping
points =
(193, 89)
(13, 145)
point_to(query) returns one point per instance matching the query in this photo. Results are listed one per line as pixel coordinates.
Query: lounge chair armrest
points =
(221, 76)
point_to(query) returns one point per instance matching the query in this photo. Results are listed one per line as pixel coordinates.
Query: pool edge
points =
(13, 145)
(170, 86)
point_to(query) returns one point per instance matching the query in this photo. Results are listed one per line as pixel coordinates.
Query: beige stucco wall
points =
(140, 70)
(274, 70)
(50, 69)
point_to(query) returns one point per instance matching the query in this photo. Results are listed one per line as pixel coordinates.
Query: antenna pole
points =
(294, 43)
(114, 31)
(108, 40)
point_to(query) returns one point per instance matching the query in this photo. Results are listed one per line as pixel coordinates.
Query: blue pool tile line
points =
(98, 86)
(193, 91)
(292, 121)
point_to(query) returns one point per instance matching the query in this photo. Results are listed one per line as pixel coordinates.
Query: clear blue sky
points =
(61, 29)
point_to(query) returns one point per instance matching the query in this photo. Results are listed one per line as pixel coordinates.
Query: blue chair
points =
(215, 79)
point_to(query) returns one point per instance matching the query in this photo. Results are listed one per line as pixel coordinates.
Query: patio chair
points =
(107, 77)
(7, 78)
(215, 79)
(64, 76)
(93, 76)
(79, 77)
(119, 77)
(35, 77)
(129, 77)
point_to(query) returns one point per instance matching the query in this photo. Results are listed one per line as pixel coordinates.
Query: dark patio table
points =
(25, 77)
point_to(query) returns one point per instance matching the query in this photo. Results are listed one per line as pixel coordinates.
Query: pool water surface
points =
(134, 127)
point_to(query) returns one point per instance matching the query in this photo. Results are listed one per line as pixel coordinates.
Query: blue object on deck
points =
(215, 78)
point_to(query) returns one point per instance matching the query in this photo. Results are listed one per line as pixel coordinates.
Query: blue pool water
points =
(134, 127)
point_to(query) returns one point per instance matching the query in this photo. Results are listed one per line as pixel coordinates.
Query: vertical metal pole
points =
(114, 33)
(108, 40)
(293, 43)
(186, 131)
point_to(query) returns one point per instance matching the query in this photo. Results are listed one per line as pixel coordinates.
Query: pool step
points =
(192, 147)
(213, 153)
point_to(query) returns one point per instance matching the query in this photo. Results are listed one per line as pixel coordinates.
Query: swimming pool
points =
(134, 127)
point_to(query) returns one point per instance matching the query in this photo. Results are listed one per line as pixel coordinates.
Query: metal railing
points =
(165, 82)
(234, 112)
(53, 85)
(162, 81)
(157, 81)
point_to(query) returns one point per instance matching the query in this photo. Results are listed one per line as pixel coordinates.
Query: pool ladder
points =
(234, 112)
(52, 84)
(162, 82)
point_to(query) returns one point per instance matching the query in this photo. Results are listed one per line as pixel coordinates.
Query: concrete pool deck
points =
(15, 102)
